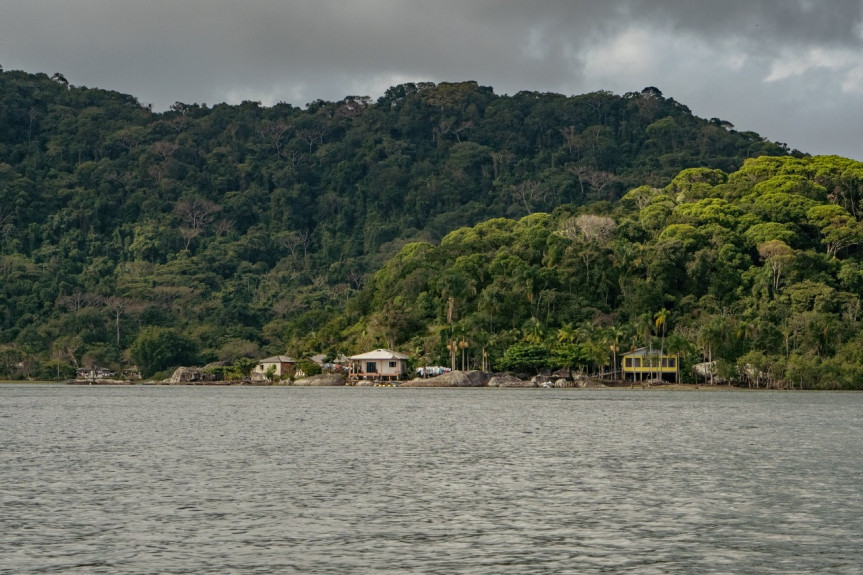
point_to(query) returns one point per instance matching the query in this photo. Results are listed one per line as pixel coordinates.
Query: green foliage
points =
(525, 357)
(240, 369)
(716, 280)
(243, 366)
(571, 356)
(309, 367)
(253, 230)
(157, 349)
(249, 227)
(768, 231)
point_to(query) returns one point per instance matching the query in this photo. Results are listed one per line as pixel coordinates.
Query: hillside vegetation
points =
(226, 232)
(758, 272)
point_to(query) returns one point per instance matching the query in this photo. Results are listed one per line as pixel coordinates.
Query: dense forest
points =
(232, 231)
(757, 273)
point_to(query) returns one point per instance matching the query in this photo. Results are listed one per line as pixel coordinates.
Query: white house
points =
(93, 373)
(283, 367)
(379, 364)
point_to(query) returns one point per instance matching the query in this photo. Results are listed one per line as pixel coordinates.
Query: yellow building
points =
(649, 364)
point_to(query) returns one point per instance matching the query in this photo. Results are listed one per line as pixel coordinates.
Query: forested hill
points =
(238, 230)
(759, 272)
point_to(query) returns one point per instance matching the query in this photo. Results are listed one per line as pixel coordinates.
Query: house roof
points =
(380, 354)
(642, 351)
(278, 359)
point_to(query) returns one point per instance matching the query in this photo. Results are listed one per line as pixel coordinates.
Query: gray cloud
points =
(790, 70)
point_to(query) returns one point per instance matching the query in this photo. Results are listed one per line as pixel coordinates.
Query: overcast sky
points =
(791, 70)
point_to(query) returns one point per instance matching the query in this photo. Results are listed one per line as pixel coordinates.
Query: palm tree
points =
(681, 347)
(661, 318)
(614, 335)
(644, 330)
(709, 338)
(533, 330)
(566, 333)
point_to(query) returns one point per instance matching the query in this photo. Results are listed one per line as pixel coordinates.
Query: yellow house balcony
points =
(645, 363)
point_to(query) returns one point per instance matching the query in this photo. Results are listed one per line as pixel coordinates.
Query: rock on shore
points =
(504, 380)
(322, 380)
(189, 375)
(584, 381)
(452, 379)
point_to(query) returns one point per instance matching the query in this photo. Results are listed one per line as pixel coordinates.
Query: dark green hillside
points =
(244, 228)
(760, 270)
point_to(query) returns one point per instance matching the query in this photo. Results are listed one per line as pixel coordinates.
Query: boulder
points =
(452, 379)
(427, 382)
(478, 378)
(542, 381)
(584, 381)
(322, 380)
(183, 375)
(509, 381)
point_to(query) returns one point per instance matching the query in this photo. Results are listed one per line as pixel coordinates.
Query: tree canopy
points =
(436, 208)
(765, 294)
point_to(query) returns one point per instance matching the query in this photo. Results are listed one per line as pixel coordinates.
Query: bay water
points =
(152, 479)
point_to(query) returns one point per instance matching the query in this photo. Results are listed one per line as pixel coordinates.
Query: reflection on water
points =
(384, 480)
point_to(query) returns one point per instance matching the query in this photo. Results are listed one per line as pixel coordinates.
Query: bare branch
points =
(197, 213)
(164, 149)
(592, 228)
(356, 279)
(529, 193)
(79, 300)
(274, 134)
(224, 226)
(312, 135)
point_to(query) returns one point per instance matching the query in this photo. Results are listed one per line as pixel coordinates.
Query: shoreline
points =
(619, 387)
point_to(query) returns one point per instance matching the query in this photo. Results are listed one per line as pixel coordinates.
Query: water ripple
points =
(250, 480)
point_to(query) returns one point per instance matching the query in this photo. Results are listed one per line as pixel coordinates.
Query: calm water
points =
(381, 480)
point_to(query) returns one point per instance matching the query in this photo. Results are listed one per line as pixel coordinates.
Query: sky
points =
(791, 70)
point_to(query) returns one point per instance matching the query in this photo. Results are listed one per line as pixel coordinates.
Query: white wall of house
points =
(391, 367)
(282, 369)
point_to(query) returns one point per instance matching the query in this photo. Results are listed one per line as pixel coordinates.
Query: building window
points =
(628, 362)
(636, 362)
(392, 364)
(371, 367)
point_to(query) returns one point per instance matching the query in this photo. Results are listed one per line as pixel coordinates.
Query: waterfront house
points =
(380, 364)
(93, 373)
(283, 367)
(645, 363)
